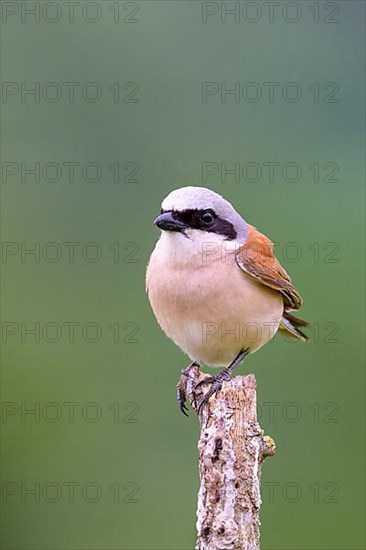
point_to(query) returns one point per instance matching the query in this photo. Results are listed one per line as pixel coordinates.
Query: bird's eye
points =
(207, 217)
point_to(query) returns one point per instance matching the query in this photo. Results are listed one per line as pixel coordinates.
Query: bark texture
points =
(231, 450)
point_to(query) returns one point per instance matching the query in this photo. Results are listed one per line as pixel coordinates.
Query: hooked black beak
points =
(167, 222)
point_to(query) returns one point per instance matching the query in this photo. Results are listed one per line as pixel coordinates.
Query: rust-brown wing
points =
(257, 259)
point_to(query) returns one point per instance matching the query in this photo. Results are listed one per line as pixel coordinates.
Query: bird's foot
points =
(181, 391)
(216, 385)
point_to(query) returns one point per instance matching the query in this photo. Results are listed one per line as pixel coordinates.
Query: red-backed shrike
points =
(214, 284)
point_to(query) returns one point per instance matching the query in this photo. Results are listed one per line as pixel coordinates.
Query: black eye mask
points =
(206, 220)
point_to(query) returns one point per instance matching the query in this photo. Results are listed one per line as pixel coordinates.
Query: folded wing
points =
(256, 258)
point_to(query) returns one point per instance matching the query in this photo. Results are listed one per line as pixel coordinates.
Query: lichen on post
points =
(231, 450)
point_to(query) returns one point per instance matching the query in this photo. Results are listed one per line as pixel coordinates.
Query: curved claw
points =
(181, 398)
(216, 386)
(184, 409)
(181, 392)
(216, 381)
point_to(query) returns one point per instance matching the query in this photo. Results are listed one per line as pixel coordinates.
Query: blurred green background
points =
(128, 451)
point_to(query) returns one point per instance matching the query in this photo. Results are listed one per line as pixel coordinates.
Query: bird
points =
(215, 286)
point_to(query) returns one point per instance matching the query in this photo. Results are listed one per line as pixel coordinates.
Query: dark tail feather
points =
(291, 324)
(297, 321)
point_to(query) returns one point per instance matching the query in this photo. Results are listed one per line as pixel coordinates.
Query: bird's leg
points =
(181, 392)
(216, 381)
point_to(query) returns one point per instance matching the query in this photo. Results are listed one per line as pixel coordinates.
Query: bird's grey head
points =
(200, 215)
